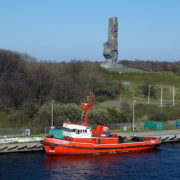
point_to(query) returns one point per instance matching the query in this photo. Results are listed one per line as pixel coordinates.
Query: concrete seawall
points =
(21, 147)
(165, 135)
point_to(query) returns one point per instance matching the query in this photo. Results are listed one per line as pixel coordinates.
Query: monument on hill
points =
(111, 50)
(111, 45)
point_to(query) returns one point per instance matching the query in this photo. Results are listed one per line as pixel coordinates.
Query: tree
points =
(15, 90)
(10, 62)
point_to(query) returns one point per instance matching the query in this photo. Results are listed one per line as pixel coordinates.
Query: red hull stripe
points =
(79, 147)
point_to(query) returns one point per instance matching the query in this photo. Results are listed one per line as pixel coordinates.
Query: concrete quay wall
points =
(165, 135)
(21, 147)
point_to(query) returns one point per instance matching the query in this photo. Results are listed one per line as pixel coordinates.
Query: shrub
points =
(159, 116)
(107, 90)
(99, 116)
(62, 112)
(117, 116)
(144, 90)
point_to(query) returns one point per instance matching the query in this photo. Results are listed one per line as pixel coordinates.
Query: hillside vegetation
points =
(26, 85)
(153, 78)
(29, 87)
(135, 87)
(154, 66)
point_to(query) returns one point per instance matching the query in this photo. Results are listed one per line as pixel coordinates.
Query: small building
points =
(153, 125)
(177, 122)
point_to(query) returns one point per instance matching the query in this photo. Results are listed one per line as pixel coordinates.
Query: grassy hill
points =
(130, 90)
(130, 83)
(163, 78)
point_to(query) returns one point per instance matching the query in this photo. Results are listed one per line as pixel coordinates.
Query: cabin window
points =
(69, 130)
(77, 131)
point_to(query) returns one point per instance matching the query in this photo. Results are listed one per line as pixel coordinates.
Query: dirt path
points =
(119, 103)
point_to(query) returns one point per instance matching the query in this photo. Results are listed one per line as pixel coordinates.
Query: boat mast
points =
(86, 107)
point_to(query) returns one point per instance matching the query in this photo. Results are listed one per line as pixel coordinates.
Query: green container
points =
(128, 141)
(177, 121)
(56, 133)
(153, 125)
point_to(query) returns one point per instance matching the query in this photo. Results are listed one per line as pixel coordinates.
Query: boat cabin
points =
(76, 130)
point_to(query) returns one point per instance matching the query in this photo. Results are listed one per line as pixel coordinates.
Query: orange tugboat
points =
(81, 139)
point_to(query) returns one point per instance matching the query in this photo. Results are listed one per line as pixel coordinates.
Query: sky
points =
(64, 30)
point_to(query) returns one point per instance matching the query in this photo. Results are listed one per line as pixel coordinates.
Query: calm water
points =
(162, 163)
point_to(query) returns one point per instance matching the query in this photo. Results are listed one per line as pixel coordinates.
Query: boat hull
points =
(62, 147)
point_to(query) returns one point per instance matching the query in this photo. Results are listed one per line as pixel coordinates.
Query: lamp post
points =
(52, 115)
(149, 89)
(133, 124)
(161, 97)
(173, 94)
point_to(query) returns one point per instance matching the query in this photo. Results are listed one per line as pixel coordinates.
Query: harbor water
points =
(161, 163)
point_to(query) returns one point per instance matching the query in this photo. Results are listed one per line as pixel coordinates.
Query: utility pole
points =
(133, 120)
(52, 118)
(173, 94)
(161, 95)
(149, 93)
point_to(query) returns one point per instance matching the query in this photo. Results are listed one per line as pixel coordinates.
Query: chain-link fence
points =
(22, 131)
(45, 130)
(140, 125)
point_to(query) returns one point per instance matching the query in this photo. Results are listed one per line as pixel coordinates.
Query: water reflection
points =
(92, 166)
(162, 163)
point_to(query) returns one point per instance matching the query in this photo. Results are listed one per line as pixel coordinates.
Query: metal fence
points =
(45, 130)
(21, 131)
(138, 125)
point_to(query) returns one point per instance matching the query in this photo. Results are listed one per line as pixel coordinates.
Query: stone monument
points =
(111, 50)
(111, 46)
